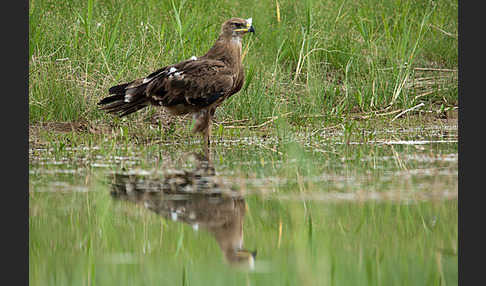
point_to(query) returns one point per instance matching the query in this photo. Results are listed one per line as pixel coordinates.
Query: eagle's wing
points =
(191, 83)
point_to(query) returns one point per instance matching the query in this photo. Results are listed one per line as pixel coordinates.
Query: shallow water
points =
(312, 209)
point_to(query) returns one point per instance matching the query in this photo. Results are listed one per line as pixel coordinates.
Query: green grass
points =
(290, 138)
(324, 58)
(79, 235)
(80, 239)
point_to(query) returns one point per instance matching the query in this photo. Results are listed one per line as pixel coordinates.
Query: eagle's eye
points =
(237, 25)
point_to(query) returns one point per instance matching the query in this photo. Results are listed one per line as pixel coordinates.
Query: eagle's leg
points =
(207, 134)
(206, 141)
(203, 125)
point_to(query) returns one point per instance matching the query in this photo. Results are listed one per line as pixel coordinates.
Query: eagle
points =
(194, 86)
(195, 197)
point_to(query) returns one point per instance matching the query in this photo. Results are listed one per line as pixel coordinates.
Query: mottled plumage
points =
(197, 85)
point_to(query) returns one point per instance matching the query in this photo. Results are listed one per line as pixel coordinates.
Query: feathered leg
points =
(207, 140)
(210, 124)
(202, 124)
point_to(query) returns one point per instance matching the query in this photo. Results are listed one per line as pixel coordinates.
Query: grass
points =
(99, 241)
(325, 58)
(79, 235)
(329, 87)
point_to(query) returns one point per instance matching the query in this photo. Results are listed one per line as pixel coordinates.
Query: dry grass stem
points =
(407, 110)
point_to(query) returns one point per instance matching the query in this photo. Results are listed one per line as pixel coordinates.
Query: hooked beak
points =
(254, 253)
(249, 26)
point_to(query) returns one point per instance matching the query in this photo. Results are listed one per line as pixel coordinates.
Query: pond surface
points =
(311, 209)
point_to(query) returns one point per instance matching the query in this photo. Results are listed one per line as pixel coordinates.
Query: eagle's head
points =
(242, 258)
(237, 27)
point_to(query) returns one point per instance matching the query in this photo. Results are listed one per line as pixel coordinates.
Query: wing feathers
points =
(127, 98)
(195, 83)
(117, 88)
(111, 99)
(121, 108)
(188, 85)
(206, 101)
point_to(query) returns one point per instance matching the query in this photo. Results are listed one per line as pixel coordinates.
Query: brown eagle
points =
(197, 85)
(196, 197)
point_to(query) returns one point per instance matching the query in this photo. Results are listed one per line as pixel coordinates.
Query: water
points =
(314, 209)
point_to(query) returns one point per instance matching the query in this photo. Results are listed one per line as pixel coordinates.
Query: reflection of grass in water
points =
(77, 238)
(307, 160)
(87, 238)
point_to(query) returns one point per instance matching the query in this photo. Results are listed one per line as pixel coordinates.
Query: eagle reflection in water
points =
(196, 198)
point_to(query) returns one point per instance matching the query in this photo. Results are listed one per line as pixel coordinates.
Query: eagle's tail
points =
(123, 101)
